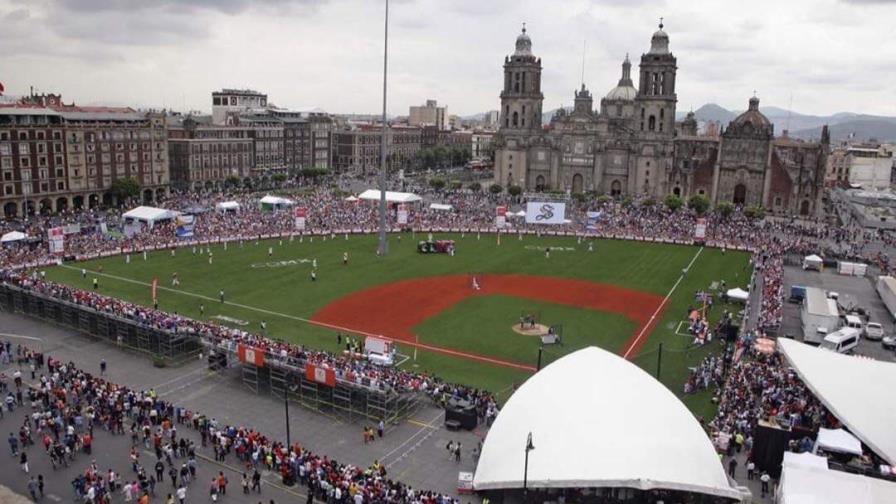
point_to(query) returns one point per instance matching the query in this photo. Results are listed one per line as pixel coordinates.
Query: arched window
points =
(651, 123)
(740, 194)
(539, 183)
(577, 184)
(662, 118)
(615, 188)
(677, 191)
(804, 207)
(516, 119)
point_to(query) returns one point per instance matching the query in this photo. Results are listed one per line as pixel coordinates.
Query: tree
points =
(648, 202)
(699, 204)
(495, 189)
(754, 212)
(124, 188)
(579, 197)
(725, 209)
(514, 190)
(232, 181)
(475, 186)
(455, 185)
(673, 202)
(604, 199)
(279, 177)
(437, 183)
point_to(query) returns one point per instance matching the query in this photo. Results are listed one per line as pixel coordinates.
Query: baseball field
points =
(628, 297)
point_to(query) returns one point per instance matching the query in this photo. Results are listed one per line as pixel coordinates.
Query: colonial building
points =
(358, 146)
(204, 156)
(55, 156)
(633, 145)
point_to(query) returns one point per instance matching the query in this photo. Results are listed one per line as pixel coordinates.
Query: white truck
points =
(886, 289)
(819, 316)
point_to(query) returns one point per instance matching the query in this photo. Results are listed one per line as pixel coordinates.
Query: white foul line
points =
(634, 343)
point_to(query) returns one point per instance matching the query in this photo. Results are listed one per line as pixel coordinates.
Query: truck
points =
(819, 315)
(797, 293)
(886, 289)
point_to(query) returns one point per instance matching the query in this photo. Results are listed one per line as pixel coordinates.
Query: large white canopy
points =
(13, 236)
(391, 196)
(440, 206)
(738, 294)
(805, 459)
(228, 205)
(276, 200)
(597, 420)
(150, 214)
(805, 485)
(850, 388)
(838, 440)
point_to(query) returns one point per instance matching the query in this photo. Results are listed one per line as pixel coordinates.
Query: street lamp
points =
(529, 447)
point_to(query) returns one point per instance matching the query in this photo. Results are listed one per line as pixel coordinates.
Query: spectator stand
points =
(163, 346)
(320, 389)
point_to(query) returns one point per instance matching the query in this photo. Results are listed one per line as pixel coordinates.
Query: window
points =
(23, 135)
(516, 119)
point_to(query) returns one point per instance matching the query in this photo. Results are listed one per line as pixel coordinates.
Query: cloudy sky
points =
(826, 56)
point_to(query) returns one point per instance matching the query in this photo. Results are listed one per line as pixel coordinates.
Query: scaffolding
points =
(168, 346)
(345, 400)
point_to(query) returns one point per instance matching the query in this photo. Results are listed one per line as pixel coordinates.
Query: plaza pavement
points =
(413, 451)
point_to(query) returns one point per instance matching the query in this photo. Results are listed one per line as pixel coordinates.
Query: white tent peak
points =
(594, 423)
(391, 196)
(13, 236)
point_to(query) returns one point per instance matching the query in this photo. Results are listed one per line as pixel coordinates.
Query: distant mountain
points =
(882, 130)
(715, 113)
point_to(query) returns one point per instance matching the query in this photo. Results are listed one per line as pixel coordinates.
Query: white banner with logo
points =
(545, 213)
(500, 216)
(56, 238)
(402, 215)
(300, 218)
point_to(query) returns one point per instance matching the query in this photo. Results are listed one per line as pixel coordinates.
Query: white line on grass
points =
(656, 312)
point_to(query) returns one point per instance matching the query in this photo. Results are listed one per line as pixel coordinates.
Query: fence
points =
(168, 346)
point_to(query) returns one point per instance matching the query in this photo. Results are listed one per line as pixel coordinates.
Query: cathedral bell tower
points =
(521, 98)
(655, 107)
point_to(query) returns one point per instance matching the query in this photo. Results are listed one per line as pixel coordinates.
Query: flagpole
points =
(383, 243)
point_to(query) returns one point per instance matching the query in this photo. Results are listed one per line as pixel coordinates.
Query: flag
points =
(322, 375)
(154, 287)
(251, 355)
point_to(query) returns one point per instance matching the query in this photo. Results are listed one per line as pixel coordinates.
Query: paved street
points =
(412, 452)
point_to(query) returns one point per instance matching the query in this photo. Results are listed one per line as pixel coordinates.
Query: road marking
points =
(54, 497)
(428, 426)
(637, 340)
(433, 348)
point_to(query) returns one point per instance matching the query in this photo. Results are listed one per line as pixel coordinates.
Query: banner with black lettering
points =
(545, 213)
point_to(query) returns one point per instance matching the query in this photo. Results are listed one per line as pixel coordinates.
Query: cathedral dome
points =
(659, 42)
(523, 44)
(625, 90)
(752, 116)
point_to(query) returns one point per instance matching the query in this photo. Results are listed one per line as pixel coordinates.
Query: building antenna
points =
(583, 61)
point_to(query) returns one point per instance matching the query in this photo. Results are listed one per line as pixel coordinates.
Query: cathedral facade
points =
(633, 145)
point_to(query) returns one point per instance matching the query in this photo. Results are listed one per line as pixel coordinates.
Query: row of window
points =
(29, 135)
(27, 188)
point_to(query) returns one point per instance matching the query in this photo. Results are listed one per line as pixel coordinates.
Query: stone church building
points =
(632, 144)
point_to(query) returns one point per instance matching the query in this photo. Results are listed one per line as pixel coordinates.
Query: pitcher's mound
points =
(531, 330)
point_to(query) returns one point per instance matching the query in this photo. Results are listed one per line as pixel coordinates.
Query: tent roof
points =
(227, 205)
(150, 214)
(351, 198)
(838, 440)
(391, 196)
(738, 293)
(806, 460)
(844, 384)
(813, 258)
(440, 206)
(594, 423)
(13, 236)
(803, 485)
(276, 200)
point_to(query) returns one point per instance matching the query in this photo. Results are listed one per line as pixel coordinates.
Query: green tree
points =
(725, 209)
(232, 181)
(649, 201)
(455, 185)
(514, 190)
(673, 202)
(124, 189)
(754, 212)
(699, 204)
(579, 197)
(437, 183)
(604, 199)
(495, 189)
(475, 186)
(279, 177)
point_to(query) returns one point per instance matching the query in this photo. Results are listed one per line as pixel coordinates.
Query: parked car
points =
(889, 342)
(874, 331)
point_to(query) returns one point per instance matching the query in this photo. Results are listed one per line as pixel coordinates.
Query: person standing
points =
(313, 275)
(751, 470)
(32, 488)
(103, 367)
(380, 428)
(23, 461)
(201, 310)
(96, 283)
(732, 467)
(345, 258)
(221, 295)
(764, 479)
(40, 485)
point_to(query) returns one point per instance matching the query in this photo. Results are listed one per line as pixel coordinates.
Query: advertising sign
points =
(545, 213)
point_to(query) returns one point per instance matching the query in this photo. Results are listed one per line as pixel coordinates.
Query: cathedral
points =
(633, 145)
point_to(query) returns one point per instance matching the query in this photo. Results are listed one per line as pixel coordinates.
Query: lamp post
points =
(529, 447)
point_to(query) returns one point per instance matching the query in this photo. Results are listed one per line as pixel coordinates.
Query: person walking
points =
(732, 466)
(182, 494)
(245, 483)
(764, 479)
(751, 470)
(103, 367)
(256, 481)
(23, 461)
(213, 490)
(32, 488)
(40, 485)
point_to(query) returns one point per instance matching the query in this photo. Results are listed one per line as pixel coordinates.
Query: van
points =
(842, 341)
(854, 322)
(874, 331)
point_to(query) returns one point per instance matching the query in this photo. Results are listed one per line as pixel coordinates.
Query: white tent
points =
(589, 431)
(149, 215)
(276, 201)
(440, 206)
(805, 485)
(521, 213)
(812, 262)
(806, 460)
(351, 199)
(737, 294)
(838, 440)
(227, 206)
(13, 236)
(846, 386)
(391, 196)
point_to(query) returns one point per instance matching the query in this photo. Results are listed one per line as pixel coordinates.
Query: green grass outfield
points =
(282, 295)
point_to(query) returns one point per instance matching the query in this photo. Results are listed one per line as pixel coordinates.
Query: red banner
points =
(251, 355)
(324, 376)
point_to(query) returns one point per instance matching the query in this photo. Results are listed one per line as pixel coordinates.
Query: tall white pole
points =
(384, 244)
